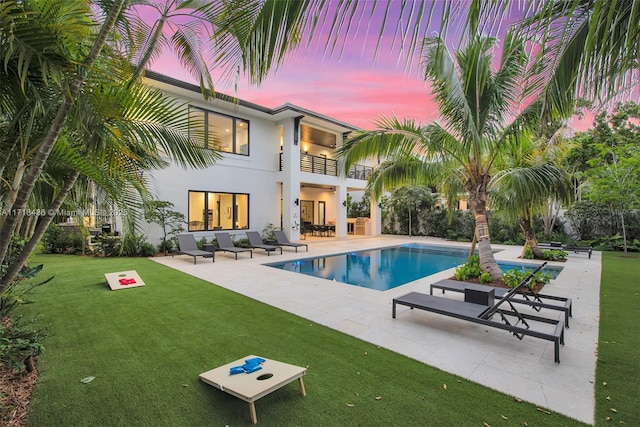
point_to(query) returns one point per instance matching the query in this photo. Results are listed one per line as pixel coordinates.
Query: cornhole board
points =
(123, 280)
(257, 384)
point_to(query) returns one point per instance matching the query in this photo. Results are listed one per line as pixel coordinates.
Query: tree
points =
(115, 132)
(458, 152)
(408, 203)
(49, 52)
(586, 49)
(528, 178)
(597, 38)
(161, 212)
(72, 83)
(615, 175)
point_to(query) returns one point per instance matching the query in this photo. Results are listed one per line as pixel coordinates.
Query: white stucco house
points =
(279, 167)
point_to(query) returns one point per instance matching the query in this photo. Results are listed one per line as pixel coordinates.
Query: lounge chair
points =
(483, 314)
(255, 242)
(576, 249)
(187, 246)
(569, 248)
(533, 299)
(282, 240)
(225, 244)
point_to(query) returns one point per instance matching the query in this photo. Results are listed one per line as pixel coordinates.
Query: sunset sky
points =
(353, 88)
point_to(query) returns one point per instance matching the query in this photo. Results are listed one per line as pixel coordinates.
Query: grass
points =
(617, 386)
(146, 347)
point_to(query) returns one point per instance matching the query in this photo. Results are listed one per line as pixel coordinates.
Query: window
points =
(219, 132)
(218, 211)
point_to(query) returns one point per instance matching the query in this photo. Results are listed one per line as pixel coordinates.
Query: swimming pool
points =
(384, 268)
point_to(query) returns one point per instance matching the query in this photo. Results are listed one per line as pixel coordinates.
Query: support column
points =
(376, 218)
(341, 211)
(290, 179)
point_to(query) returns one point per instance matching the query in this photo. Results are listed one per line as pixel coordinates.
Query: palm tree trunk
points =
(531, 240)
(478, 202)
(10, 197)
(472, 251)
(42, 226)
(551, 216)
(29, 182)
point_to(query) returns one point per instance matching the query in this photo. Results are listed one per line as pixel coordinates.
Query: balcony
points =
(324, 166)
(318, 164)
(360, 172)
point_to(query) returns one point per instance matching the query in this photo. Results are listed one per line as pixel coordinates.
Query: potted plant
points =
(268, 235)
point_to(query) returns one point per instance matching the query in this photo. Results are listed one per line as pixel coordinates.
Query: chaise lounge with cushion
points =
(225, 244)
(187, 246)
(282, 240)
(511, 319)
(255, 242)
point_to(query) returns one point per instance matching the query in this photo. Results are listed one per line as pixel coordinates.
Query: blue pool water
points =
(552, 271)
(384, 268)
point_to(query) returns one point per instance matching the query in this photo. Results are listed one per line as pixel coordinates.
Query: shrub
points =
(616, 243)
(528, 253)
(554, 254)
(17, 343)
(172, 222)
(56, 241)
(512, 278)
(147, 249)
(166, 246)
(268, 232)
(131, 244)
(462, 273)
(108, 246)
(470, 269)
(504, 231)
(589, 218)
(50, 237)
(16, 292)
(200, 243)
(485, 277)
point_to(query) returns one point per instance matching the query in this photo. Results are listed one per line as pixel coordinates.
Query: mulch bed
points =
(15, 395)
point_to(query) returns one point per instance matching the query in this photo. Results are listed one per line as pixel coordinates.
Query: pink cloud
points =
(348, 85)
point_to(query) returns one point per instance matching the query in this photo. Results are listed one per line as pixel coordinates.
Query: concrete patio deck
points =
(491, 357)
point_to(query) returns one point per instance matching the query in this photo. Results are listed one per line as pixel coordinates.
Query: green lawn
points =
(617, 384)
(146, 347)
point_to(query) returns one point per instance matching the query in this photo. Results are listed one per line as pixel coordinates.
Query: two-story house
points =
(278, 167)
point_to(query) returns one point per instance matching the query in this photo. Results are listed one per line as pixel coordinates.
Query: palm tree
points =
(115, 134)
(248, 35)
(459, 151)
(19, 53)
(589, 47)
(528, 178)
(32, 27)
(599, 39)
(236, 35)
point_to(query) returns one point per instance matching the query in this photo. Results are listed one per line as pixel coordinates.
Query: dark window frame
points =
(234, 125)
(208, 209)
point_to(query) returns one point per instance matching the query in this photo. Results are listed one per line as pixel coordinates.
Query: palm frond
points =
(394, 137)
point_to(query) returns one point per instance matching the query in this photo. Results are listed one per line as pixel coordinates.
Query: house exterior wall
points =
(272, 133)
